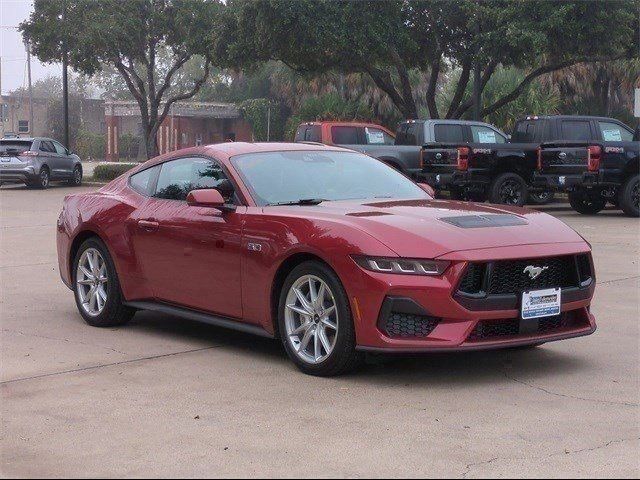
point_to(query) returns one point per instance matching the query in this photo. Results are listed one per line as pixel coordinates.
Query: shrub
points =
(90, 146)
(109, 171)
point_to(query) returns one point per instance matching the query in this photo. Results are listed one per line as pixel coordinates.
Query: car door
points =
(190, 256)
(65, 160)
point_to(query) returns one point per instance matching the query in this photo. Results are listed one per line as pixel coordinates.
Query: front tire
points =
(315, 322)
(628, 196)
(586, 204)
(508, 189)
(97, 288)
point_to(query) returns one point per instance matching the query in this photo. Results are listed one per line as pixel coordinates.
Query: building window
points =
(23, 126)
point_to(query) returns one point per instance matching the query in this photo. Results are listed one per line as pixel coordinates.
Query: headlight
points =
(407, 266)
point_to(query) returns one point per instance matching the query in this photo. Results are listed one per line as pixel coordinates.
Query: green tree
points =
(386, 40)
(148, 42)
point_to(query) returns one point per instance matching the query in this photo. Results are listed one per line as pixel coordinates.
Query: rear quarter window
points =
(448, 133)
(345, 135)
(612, 132)
(143, 182)
(576, 130)
(308, 133)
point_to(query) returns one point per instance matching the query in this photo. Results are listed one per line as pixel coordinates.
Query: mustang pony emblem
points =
(534, 272)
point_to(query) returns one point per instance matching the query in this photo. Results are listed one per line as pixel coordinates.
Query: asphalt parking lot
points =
(167, 397)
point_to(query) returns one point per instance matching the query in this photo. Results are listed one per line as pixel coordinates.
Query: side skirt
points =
(197, 316)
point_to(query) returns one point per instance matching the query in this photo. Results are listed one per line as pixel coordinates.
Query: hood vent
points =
(480, 221)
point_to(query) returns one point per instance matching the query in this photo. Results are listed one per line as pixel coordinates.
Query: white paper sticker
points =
(374, 137)
(486, 136)
(613, 135)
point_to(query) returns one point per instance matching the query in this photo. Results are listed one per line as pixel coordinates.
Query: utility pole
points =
(65, 80)
(31, 126)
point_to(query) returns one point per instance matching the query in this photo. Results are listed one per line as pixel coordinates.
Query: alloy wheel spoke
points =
(305, 339)
(86, 272)
(329, 324)
(313, 294)
(303, 300)
(320, 297)
(316, 345)
(328, 311)
(298, 310)
(322, 335)
(303, 327)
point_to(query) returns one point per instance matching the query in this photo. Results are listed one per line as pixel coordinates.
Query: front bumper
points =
(436, 320)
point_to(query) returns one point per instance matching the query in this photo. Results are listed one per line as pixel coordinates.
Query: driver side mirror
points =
(428, 188)
(209, 197)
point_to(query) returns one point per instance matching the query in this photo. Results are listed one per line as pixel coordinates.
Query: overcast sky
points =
(12, 53)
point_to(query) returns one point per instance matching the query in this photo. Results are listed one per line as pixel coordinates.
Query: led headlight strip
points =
(407, 266)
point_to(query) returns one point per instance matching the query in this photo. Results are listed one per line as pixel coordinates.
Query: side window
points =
(345, 135)
(482, 134)
(178, 177)
(612, 132)
(47, 146)
(576, 130)
(375, 136)
(142, 182)
(448, 133)
(59, 148)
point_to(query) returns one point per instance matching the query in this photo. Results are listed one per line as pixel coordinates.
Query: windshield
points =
(284, 177)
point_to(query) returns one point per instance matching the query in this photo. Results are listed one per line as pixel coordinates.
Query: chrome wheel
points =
(92, 281)
(311, 319)
(44, 178)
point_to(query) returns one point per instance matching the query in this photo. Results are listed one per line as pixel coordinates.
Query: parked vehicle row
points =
(38, 161)
(476, 161)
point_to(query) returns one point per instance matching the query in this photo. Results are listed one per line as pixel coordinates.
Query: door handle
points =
(148, 225)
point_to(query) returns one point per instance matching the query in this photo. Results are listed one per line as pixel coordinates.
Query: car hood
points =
(431, 228)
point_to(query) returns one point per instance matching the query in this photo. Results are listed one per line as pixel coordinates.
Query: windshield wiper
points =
(302, 201)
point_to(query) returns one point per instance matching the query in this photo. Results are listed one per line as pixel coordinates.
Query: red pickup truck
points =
(344, 133)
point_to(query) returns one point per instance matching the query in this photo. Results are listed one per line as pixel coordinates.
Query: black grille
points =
(409, 325)
(495, 329)
(584, 267)
(472, 279)
(507, 277)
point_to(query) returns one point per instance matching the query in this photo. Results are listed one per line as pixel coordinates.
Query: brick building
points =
(188, 124)
(15, 115)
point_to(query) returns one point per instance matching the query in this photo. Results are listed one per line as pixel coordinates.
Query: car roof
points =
(334, 123)
(450, 121)
(566, 117)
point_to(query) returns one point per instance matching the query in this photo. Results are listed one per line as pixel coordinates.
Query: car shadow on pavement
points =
(430, 369)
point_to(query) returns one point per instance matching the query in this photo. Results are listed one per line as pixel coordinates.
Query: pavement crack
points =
(104, 365)
(608, 282)
(563, 395)
(66, 340)
(470, 466)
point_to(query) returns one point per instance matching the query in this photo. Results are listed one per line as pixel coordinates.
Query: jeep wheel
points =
(586, 204)
(628, 196)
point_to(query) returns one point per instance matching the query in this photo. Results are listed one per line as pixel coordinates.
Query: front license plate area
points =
(540, 303)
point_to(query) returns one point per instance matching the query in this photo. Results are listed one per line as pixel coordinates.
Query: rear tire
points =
(76, 177)
(508, 189)
(43, 180)
(113, 312)
(586, 204)
(342, 356)
(628, 196)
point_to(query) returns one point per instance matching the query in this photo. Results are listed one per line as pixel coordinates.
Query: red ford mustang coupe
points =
(329, 250)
